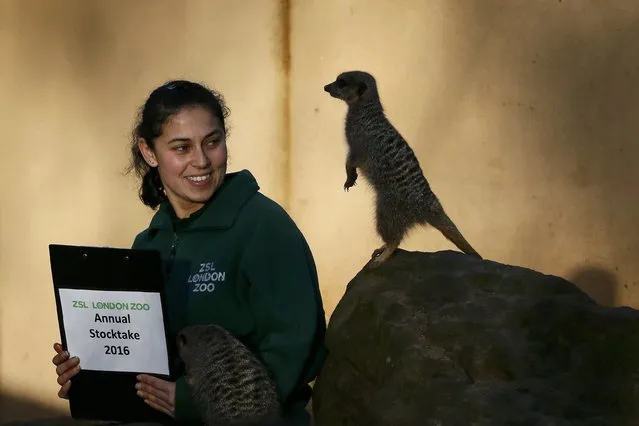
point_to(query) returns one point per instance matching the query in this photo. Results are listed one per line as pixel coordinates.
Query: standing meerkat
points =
(228, 381)
(375, 147)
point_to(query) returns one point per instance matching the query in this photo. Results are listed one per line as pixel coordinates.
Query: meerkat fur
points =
(403, 196)
(232, 386)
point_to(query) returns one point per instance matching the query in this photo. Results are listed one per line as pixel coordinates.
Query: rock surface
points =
(445, 339)
(68, 421)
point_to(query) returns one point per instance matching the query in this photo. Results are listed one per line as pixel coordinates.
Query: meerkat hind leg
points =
(391, 228)
(378, 251)
(382, 254)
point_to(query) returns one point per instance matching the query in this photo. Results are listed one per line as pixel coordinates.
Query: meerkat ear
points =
(361, 88)
(181, 340)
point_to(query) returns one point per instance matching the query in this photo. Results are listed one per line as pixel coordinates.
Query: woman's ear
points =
(147, 153)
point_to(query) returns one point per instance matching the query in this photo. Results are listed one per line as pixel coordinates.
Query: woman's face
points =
(191, 158)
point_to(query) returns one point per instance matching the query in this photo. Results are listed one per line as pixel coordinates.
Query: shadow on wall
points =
(588, 143)
(565, 107)
(21, 410)
(599, 283)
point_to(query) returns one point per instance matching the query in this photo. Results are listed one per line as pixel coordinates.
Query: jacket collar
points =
(219, 212)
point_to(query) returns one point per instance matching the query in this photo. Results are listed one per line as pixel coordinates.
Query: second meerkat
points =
(375, 147)
(231, 385)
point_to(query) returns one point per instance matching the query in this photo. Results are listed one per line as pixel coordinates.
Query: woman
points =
(260, 281)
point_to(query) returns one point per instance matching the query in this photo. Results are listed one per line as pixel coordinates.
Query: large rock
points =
(445, 339)
(68, 421)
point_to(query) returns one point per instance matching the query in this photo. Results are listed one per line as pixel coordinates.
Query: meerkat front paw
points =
(349, 184)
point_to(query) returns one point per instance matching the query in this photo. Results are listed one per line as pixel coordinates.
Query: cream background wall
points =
(522, 114)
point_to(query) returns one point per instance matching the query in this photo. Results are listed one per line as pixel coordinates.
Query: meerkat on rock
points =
(403, 197)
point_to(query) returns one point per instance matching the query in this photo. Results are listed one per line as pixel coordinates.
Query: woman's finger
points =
(68, 375)
(157, 401)
(152, 384)
(60, 356)
(158, 407)
(64, 390)
(67, 365)
(152, 390)
(154, 381)
(157, 393)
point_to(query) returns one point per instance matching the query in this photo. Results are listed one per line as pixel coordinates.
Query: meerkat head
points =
(193, 341)
(187, 342)
(351, 86)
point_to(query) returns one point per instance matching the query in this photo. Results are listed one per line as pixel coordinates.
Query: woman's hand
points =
(158, 393)
(66, 368)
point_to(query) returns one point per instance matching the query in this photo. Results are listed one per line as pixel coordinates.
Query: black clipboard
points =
(108, 395)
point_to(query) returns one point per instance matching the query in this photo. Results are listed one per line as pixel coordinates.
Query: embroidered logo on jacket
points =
(205, 279)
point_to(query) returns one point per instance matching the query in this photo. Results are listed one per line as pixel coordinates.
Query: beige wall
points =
(521, 113)
(72, 75)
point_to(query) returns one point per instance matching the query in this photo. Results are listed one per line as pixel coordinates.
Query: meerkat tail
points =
(445, 225)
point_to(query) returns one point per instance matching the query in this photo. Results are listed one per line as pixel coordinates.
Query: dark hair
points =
(162, 103)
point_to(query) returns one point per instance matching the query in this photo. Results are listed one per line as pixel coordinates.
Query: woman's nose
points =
(200, 160)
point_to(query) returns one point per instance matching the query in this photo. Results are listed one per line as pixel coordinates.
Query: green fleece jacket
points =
(241, 262)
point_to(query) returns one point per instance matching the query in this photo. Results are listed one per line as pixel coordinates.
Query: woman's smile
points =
(199, 180)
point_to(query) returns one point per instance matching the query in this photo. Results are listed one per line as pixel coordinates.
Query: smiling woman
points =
(233, 257)
(185, 159)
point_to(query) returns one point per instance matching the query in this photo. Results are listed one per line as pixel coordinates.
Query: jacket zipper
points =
(169, 271)
(172, 251)
(169, 268)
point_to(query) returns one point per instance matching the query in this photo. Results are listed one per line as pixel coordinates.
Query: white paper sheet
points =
(115, 330)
